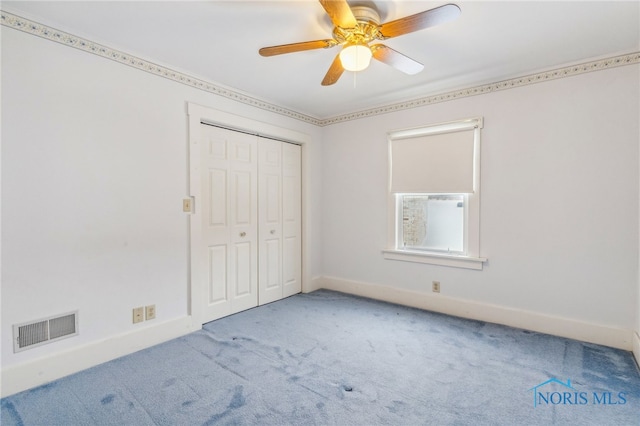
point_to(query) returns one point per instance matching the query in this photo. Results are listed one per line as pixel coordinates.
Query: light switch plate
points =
(186, 205)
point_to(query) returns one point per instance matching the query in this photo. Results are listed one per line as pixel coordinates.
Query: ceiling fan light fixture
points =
(358, 26)
(355, 57)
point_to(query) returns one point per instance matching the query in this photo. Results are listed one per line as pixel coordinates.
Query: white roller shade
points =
(436, 163)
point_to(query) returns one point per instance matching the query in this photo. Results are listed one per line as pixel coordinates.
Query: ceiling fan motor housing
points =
(365, 14)
(366, 30)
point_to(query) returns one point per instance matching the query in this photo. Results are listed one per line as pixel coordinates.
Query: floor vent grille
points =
(36, 333)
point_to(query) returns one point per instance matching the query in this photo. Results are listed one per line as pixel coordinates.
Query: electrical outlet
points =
(150, 312)
(435, 286)
(138, 315)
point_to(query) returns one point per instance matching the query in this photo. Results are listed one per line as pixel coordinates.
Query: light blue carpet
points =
(331, 358)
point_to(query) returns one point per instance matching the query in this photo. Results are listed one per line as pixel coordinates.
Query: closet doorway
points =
(246, 229)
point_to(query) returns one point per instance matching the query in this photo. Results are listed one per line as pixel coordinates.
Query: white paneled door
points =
(229, 173)
(279, 220)
(270, 220)
(250, 236)
(291, 219)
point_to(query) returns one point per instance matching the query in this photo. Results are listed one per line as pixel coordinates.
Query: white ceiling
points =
(218, 41)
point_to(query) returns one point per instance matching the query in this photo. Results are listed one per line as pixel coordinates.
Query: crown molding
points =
(613, 62)
(28, 26)
(22, 24)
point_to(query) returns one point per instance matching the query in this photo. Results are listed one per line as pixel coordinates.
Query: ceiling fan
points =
(356, 27)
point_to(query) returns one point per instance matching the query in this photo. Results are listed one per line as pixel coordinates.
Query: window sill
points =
(435, 259)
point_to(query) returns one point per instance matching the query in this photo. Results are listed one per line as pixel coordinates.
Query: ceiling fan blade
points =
(396, 59)
(297, 47)
(420, 21)
(334, 73)
(340, 13)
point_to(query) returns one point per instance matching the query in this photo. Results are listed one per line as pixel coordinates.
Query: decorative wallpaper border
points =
(13, 21)
(617, 61)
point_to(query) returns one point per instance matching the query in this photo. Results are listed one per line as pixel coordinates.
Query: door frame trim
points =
(198, 114)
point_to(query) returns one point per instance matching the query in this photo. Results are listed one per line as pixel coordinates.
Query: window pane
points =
(433, 222)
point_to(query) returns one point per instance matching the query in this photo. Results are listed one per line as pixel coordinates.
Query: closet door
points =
(229, 221)
(291, 219)
(270, 220)
(279, 221)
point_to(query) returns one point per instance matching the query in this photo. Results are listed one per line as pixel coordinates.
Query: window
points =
(432, 222)
(434, 194)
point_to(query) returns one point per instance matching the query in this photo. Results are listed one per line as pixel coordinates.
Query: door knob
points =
(273, 231)
(243, 234)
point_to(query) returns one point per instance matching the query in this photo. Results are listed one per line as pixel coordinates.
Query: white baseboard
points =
(41, 371)
(44, 370)
(636, 347)
(312, 285)
(548, 324)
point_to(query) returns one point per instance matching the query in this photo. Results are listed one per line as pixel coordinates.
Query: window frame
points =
(470, 258)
